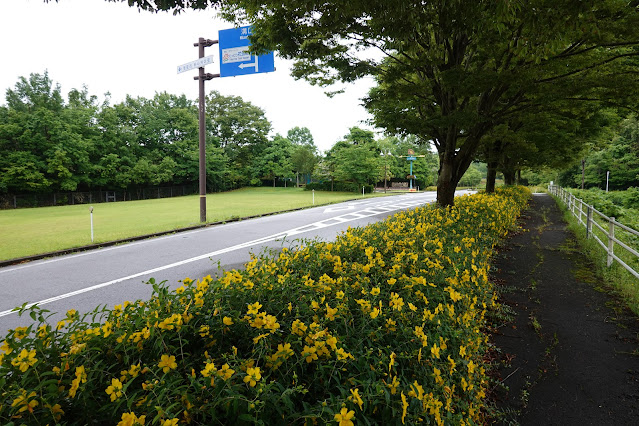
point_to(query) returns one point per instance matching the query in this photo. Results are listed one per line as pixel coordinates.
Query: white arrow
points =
(251, 64)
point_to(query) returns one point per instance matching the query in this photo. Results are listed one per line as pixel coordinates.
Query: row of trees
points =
(613, 160)
(516, 84)
(50, 144)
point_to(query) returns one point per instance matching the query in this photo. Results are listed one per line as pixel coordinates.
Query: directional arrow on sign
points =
(249, 65)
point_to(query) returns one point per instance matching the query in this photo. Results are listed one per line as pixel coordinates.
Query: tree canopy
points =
(452, 71)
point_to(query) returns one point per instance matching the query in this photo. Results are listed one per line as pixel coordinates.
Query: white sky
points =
(113, 47)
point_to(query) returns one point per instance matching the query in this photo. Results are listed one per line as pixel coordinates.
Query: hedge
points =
(384, 325)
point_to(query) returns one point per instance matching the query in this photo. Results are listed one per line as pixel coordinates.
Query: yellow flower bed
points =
(384, 325)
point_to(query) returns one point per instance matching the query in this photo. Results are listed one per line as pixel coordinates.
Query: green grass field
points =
(25, 232)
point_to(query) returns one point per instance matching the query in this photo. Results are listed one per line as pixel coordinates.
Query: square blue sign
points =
(235, 58)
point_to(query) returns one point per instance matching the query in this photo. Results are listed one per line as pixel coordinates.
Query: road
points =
(109, 276)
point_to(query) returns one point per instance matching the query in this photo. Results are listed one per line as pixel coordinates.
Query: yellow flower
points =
(339, 294)
(284, 351)
(374, 291)
(167, 363)
(20, 333)
(253, 375)
(254, 308)
(298, 327)
(342, 355)
(80, 376)
(258, 338)
(227, 321)
(225, 372)
(5, 348)
(462, 351)
(56, 411)
(130, 419)
(114, 390)
(24, 403)
(434, 351)
(309, 352)
(171, 422)
(25, 359)
(393, 385)
(330, 313)
(204, 330)
(356, 398)
(344, 417)
(208, 369)
(404, 407)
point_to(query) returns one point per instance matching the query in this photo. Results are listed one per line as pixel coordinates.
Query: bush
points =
(339, 187)
(381, 326)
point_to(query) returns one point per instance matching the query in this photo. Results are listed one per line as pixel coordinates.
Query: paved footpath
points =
(569, 359)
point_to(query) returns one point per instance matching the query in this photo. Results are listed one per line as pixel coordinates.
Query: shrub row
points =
(382, 326)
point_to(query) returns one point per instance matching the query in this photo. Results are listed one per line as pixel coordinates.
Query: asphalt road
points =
(109, 276)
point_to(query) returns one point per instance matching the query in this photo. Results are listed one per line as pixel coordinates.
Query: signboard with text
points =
(235, 58)
(198, 63)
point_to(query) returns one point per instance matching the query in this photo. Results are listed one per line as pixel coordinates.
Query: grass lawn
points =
(32, 231)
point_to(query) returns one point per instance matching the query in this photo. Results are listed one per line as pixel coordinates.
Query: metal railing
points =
(600, 227)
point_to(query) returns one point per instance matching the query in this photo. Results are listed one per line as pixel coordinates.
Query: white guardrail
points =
(590, 217)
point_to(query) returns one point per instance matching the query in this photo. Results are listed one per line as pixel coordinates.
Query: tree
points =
(454, 70)
(356, 159)
(472, 177)
(275, 160)
(301, 136)
(240, 129)
(620, 157)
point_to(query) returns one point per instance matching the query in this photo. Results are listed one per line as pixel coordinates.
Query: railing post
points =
(588, 221)
(611, 241)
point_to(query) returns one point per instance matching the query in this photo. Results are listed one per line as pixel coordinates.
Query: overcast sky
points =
(113, 47)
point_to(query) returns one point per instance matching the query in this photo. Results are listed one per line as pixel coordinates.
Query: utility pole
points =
(202, 77)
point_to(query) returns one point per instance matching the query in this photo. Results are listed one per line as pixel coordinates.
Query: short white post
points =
(362, 191)
(611, 241)
(313, 197)
(91, 213)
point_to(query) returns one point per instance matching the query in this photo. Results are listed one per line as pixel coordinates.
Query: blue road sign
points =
(235, 58)
(411, 158)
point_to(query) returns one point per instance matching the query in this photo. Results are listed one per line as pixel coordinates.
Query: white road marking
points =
(368, 212)
(339, 208)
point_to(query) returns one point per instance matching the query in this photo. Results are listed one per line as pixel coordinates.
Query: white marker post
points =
(91, 213)
(313, 197)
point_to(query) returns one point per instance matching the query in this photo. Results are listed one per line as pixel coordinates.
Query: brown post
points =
(202, 77)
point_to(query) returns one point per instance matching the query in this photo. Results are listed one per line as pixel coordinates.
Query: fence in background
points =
(602, 228)
(11, 201)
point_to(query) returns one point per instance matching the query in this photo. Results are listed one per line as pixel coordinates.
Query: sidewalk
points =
(567, 358)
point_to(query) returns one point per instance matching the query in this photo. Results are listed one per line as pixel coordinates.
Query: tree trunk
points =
(491, 177)
(509, 177)
(446, 183)
(273, 182)
(297, 179)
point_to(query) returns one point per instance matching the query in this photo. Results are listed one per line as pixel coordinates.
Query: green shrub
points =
(381, 326)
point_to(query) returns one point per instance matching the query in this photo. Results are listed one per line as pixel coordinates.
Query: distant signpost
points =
(235, 58)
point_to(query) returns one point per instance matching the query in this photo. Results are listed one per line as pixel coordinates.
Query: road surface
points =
(109, 276)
